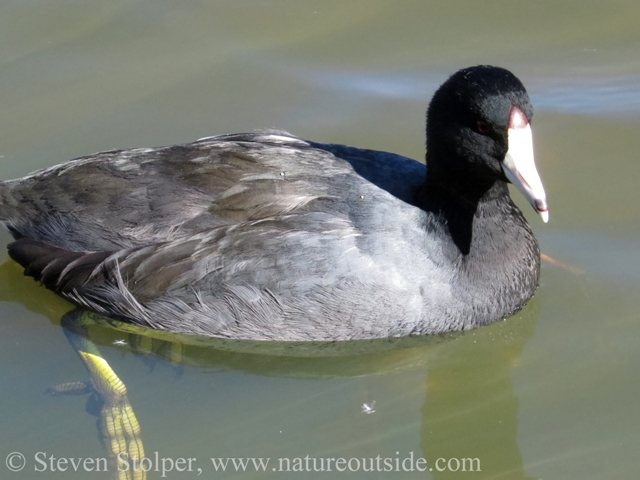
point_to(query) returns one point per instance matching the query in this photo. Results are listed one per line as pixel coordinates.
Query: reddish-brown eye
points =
(483, 127)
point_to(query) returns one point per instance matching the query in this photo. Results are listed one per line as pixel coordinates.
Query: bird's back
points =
(283, 232)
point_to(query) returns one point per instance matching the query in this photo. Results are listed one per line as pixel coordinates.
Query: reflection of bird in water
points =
(470, 410)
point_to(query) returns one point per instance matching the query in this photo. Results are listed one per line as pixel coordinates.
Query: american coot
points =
(266, 236)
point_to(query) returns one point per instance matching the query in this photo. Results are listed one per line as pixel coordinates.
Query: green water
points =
(552, 393)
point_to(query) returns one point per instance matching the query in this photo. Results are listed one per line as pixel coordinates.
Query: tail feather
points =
(76, 276)
(58, 269)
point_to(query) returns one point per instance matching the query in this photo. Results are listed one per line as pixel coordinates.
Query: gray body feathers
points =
(263, 236)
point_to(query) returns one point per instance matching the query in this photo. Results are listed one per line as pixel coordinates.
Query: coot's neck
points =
(457, 197)
(490, 248)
